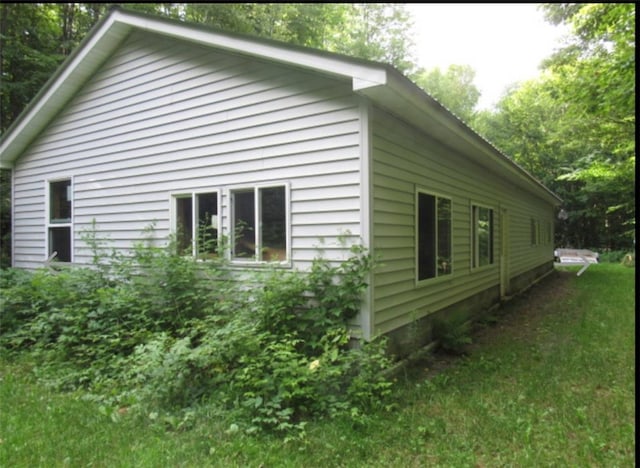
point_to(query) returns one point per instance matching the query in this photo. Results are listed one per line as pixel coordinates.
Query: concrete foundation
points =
(414, 336)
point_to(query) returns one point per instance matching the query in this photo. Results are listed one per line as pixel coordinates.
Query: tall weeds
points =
(160, 332)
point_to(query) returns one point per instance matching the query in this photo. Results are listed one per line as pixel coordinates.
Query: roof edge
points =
(413, 96)
(49, 98)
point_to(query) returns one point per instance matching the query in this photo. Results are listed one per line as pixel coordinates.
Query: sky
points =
(503, 43)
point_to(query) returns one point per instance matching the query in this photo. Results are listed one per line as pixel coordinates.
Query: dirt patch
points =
(518, 319)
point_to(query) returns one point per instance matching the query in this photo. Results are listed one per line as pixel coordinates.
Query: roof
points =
(381, 83)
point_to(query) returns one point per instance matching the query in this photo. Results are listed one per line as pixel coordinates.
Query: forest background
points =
(572, 127)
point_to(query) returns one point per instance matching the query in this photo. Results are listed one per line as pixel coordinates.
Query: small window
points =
(260, 224)
(433, 236)
(482, 237)
(60, 202)
(535, 232)
(59, 222)
(197, 224)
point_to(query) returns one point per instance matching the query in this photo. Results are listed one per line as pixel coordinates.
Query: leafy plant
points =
(452, 335)
(160, 332)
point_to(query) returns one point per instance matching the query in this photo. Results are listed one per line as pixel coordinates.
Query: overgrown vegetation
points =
(452, 335)
(159, 333)
(550, 383)
(625, 257)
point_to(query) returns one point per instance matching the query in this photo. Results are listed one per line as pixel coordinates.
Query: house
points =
(156, 121)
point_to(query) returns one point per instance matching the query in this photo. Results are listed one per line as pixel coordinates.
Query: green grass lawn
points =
(551, 383)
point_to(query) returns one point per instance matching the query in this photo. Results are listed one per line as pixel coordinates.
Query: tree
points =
(29, 53)
(595, 76)
(574, 126)
(376, 31)
(306, 24)
(454, 89)
(5, 218)
(36, 37)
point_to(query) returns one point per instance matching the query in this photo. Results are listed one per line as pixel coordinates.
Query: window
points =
(548, 236)
(433, 236)
(482, 237)
(60, 225)
(197, 224)
(535, 232)
(260, 224)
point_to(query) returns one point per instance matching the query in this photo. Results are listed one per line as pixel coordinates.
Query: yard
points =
(548, 381)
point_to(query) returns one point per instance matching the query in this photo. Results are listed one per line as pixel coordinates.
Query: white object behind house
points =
(575, 257)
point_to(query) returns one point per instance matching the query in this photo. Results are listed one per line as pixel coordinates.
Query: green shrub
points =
(281, 357)
(452, 334)
(611, 256)
(163, 332)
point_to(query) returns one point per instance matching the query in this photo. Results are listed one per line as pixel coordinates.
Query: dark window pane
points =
(207, 223)
(245, 225)
(184, 225)
(483, 236)
(444, 236)
(60, 242)
(60, 201)
(426, 236)
(274, 225)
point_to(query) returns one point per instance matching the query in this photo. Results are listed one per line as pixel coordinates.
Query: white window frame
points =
(475, 244)
(47, 217)
(193, 196)
(256, 260)
(437, 277)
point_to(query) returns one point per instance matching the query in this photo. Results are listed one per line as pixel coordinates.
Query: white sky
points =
(503, 43)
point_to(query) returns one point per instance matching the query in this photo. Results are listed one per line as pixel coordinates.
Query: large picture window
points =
(482, 236)
(260, 224)
(197, 224)
(433, 236)
(60, 226)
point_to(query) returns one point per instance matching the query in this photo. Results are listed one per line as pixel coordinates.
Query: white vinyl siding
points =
(164, 117)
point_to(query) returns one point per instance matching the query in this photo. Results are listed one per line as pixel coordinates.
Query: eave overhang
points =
(408, 102)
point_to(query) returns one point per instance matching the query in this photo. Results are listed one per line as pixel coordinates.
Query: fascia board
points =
(362, 74)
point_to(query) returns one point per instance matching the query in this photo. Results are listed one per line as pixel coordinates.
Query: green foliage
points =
(615, 256)
(376, 31)
(160, 333)
(537, 381)
(29, 54)
(279, 356)
(453, 88)
(574, 127)
(452, 334)
(5, 218)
